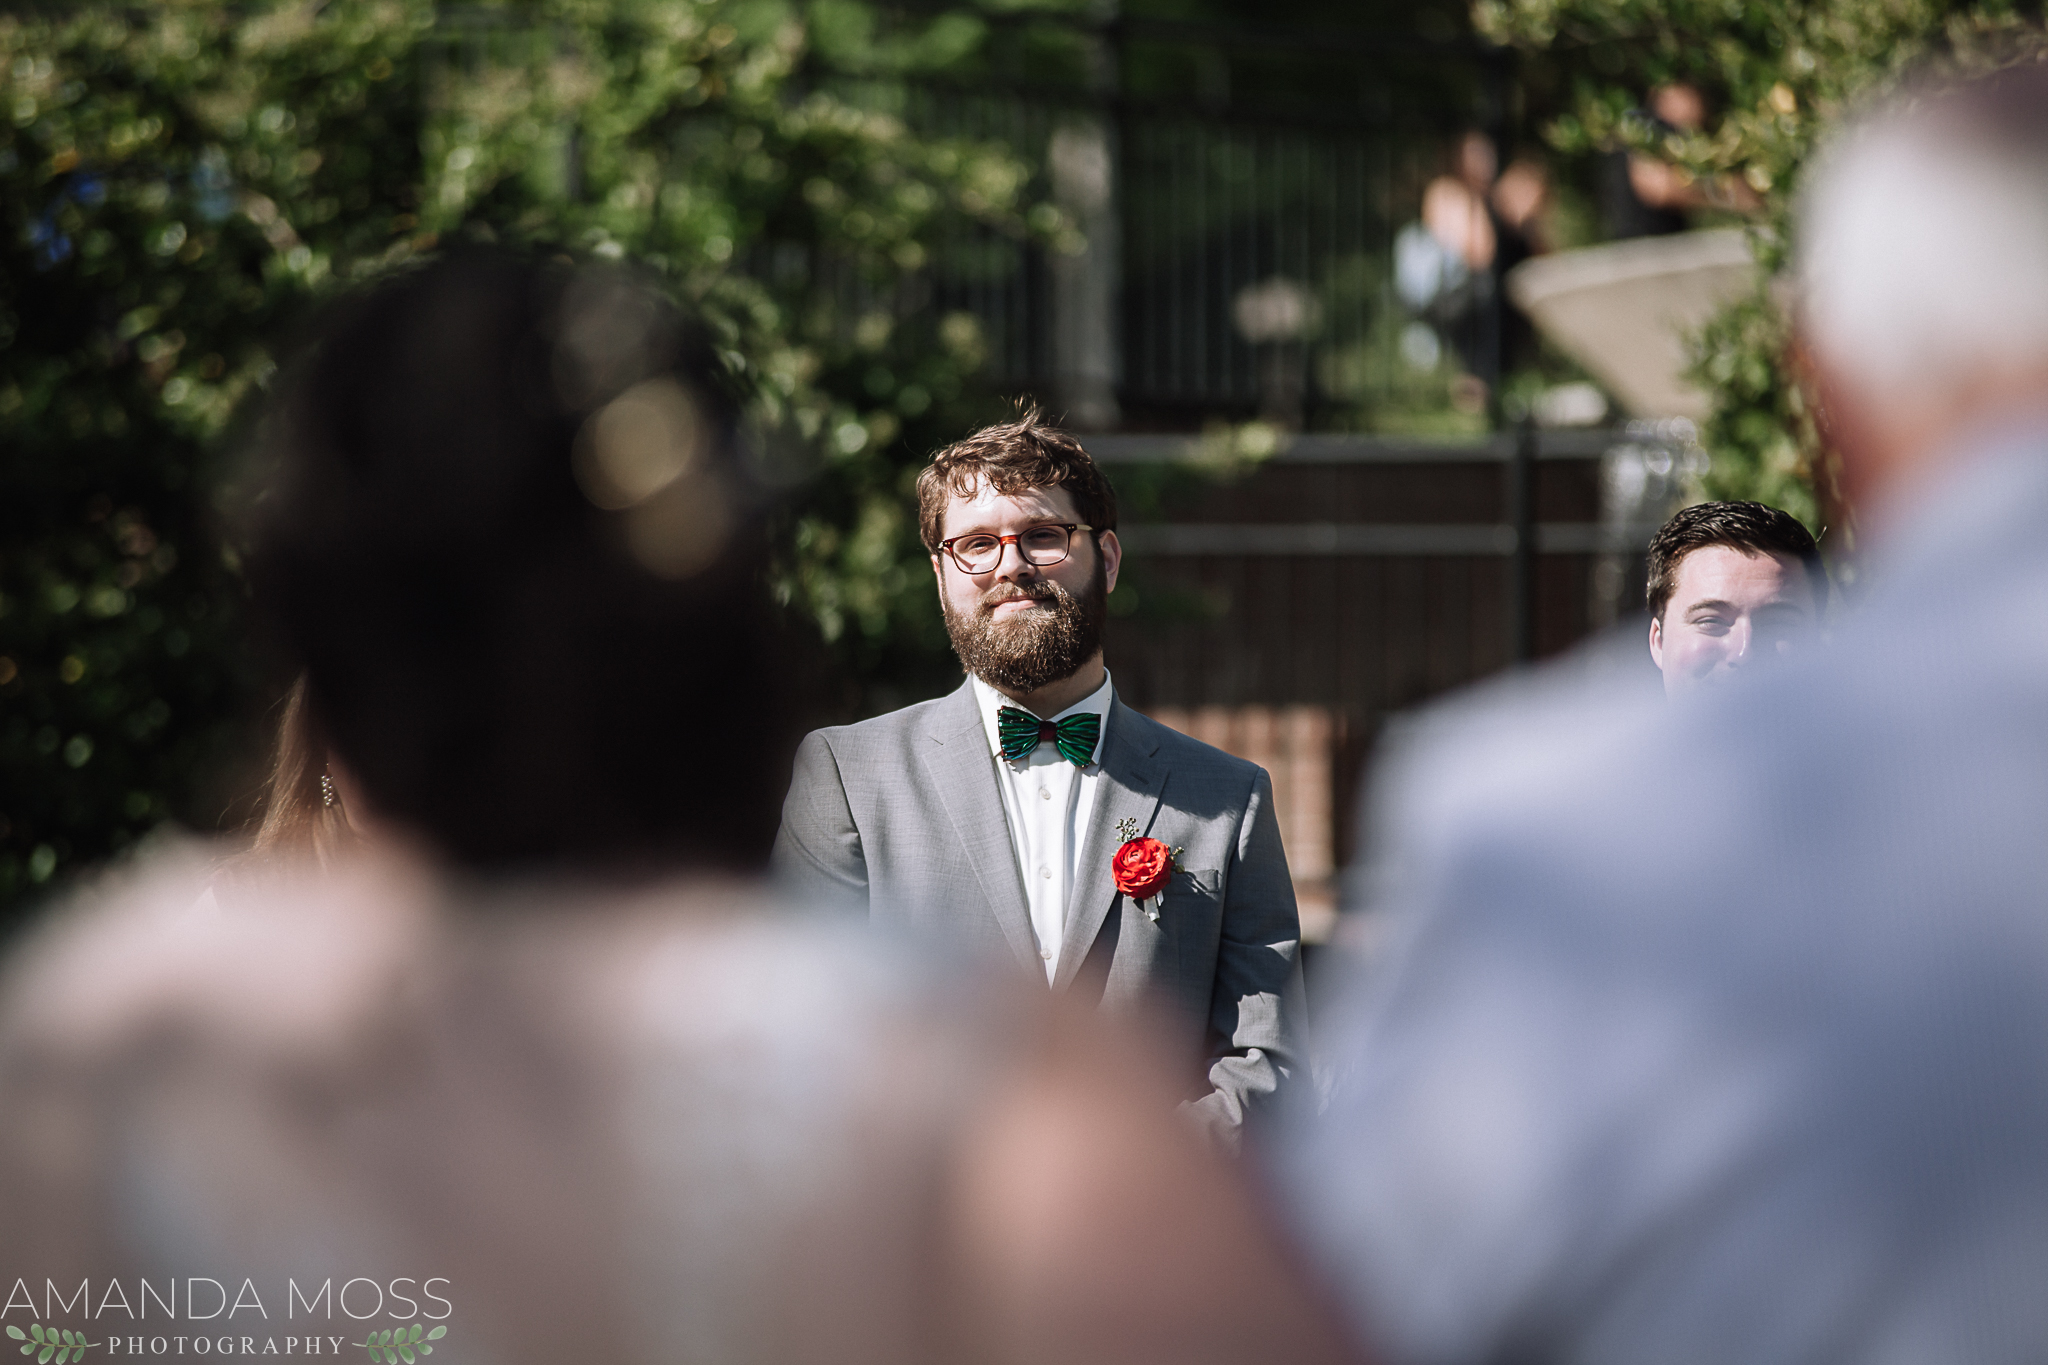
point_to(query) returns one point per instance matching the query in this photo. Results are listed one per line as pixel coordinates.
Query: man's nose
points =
(1011, 564)
(1740, 637)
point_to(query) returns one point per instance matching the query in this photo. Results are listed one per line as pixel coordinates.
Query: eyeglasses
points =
(980, 552)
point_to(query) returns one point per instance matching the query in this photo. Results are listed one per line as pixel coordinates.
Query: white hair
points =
(1923, 246)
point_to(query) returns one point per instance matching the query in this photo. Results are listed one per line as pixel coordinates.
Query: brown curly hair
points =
(1027, 453)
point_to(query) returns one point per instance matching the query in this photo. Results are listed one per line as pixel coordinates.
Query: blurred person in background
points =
(1643, 195)
(1478, 222)
(1711, 1033)
(537, 1065)
(1034, 819)
(1481, 215)
(1731, 584)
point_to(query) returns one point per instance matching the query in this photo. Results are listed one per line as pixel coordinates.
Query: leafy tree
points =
(179, 180)
(1778, 73)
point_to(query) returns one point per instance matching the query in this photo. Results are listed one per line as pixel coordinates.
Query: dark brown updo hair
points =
(507, 534)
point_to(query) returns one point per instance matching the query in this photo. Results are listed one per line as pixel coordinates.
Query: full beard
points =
(1027, 650)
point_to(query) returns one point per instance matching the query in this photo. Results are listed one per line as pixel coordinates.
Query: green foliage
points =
(54, 1343)
(179, 181)
(1759, 433)
(393, 1345)
(1778, 75)
(1383, 389)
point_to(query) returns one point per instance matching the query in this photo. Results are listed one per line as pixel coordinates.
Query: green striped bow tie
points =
(1074, 737)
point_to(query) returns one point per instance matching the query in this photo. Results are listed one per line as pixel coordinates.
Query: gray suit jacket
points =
(900, 817)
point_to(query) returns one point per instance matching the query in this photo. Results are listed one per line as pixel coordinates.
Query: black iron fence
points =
(1220, 258)
(1286, 609)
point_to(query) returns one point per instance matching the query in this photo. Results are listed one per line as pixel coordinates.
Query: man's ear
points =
(1657, 641)
(939, 573)
(1112, 560)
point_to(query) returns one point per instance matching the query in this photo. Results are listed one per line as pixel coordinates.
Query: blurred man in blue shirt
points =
(1715, 1033)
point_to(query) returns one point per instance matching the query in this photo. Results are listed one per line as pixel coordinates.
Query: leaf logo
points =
(390, 1346)
(54, 1344)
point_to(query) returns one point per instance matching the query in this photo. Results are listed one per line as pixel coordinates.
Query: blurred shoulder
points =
(177, 940)
(1541, 761)
(733, 947)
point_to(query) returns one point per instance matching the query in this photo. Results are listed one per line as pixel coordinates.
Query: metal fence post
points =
(1521, 509)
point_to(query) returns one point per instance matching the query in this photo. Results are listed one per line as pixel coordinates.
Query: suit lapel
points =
(1128, 788)
(956, 758)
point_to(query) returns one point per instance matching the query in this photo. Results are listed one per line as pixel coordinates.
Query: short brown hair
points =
(1751, 527)
(1027, 453)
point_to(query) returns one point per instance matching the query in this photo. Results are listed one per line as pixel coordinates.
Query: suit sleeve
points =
(818, 859)
(1256, 1011)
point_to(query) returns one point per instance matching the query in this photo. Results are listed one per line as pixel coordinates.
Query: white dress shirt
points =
(1047, 802)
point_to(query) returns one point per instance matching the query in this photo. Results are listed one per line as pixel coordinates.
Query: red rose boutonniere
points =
(1142, 868)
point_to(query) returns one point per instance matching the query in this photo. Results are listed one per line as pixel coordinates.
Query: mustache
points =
(1041, 591)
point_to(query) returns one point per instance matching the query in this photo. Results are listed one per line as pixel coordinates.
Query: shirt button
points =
(1045, 953)
(1044, 794)
(1045, 872)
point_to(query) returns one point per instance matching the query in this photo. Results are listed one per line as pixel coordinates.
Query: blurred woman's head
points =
(507, 534)
(303, 810)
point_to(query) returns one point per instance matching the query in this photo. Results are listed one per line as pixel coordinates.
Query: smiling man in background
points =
(1001, 815)
(1731, 584)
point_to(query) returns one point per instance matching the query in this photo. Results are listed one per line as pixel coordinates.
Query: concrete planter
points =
(1624, 310)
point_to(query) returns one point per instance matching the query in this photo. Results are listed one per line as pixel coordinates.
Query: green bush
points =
(179, 181)
(1777, 74)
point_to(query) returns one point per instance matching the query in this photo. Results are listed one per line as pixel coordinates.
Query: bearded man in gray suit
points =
(993, 815)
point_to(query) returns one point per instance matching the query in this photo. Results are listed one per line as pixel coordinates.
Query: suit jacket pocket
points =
(1190, 922)
(1192, 903)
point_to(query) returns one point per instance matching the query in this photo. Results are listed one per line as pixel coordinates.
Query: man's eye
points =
(1044, 537)
(975, 545)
